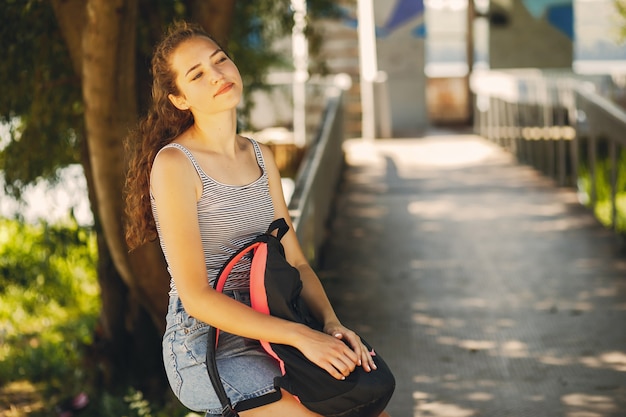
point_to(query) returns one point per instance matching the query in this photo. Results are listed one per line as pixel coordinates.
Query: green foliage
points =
(49, 305)
(48, 301)
(620, 8)
(132, 404)
(258, 25)
(251, 39)
(49, 295)
(603, 209)
(41, 95)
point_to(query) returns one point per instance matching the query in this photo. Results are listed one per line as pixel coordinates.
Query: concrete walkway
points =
(488, 290)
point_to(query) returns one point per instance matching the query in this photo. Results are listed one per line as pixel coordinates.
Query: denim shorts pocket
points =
(169, 362)
(196, 333)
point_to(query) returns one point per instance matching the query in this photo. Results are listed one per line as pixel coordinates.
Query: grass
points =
(49, 303)
(49, 307)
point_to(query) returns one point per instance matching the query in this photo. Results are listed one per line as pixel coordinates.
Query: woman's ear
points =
(178, 101)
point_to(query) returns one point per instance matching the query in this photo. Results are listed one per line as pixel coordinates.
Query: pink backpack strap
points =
(258, 295)
(220, 282)
(258, 247)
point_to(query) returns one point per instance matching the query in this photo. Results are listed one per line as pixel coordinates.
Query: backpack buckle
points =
(229, 411)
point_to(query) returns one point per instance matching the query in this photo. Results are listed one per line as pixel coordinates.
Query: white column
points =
(368, 66)
(300, 51)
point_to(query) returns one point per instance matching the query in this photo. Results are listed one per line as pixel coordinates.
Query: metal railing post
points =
(534, 114)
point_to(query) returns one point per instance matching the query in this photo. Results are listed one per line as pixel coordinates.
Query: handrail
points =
(317, 177)
(557, 122)
(604, 117)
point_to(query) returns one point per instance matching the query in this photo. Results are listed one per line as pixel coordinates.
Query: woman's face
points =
(209, 82)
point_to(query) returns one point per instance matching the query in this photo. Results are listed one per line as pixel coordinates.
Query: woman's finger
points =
(345, 365)
(368, 360)
(334, 372)
(340, 366)
(355, 343)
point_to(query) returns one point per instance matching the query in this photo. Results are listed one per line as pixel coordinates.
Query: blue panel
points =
(538, 7)
(562, 18)
(404, 11)
(419, 31)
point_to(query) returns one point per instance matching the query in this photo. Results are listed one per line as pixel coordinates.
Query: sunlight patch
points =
(555, 360)
(428, 321)
(586, 404)
(21, 397)
(612, 360)
(480, 396)
(515, 349)
(475, 345)
(439, 409)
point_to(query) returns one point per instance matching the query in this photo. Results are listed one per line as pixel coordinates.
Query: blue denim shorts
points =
(246, 370)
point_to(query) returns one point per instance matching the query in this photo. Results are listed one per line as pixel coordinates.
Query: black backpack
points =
(275, 288)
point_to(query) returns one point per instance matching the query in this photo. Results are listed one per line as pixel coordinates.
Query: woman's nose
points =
(216, 76)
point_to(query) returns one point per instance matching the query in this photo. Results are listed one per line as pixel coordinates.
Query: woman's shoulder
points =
(171, 170)
(172, 161)
(255, 144)
(171, 155)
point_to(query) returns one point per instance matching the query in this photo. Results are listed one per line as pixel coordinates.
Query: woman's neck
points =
(217, 132)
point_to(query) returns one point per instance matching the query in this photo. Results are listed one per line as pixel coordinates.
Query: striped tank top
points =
(229, 216)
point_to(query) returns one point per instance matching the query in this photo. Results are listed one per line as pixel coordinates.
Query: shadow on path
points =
(487, 289)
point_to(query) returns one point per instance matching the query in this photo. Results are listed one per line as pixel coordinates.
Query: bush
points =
(49, 306)
(49, 301)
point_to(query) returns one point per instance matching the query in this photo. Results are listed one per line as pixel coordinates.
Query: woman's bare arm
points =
(176, 188)
(313, 292)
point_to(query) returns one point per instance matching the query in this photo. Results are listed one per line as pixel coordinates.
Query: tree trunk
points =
(108, 80)
(100, 36)
(70, 14)
(215, 16)
(109, 91)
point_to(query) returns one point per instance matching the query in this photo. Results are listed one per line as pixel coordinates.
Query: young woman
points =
(205, 191)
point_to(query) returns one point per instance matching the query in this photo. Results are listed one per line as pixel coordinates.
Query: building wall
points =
(339, 53)
(530, 34)
(401, 55)
(401, 99)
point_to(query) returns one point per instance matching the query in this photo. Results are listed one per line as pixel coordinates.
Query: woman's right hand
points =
(328, 352)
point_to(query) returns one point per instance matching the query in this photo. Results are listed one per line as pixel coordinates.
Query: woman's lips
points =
(225, 88)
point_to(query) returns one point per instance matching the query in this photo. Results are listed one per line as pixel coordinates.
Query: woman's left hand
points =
(366, 359)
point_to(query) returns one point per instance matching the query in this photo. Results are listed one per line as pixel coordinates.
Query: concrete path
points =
(488, 290)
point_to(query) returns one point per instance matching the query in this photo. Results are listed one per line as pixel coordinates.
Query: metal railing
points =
(318, 176)
(559, 123)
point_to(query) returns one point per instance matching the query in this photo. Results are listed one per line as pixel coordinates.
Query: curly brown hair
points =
(162, 124)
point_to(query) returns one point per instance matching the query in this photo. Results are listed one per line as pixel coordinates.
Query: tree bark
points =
(110, 109)
(70, 14)
(215, 16)
(109, 91)
(100, 36)
(101, 39)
